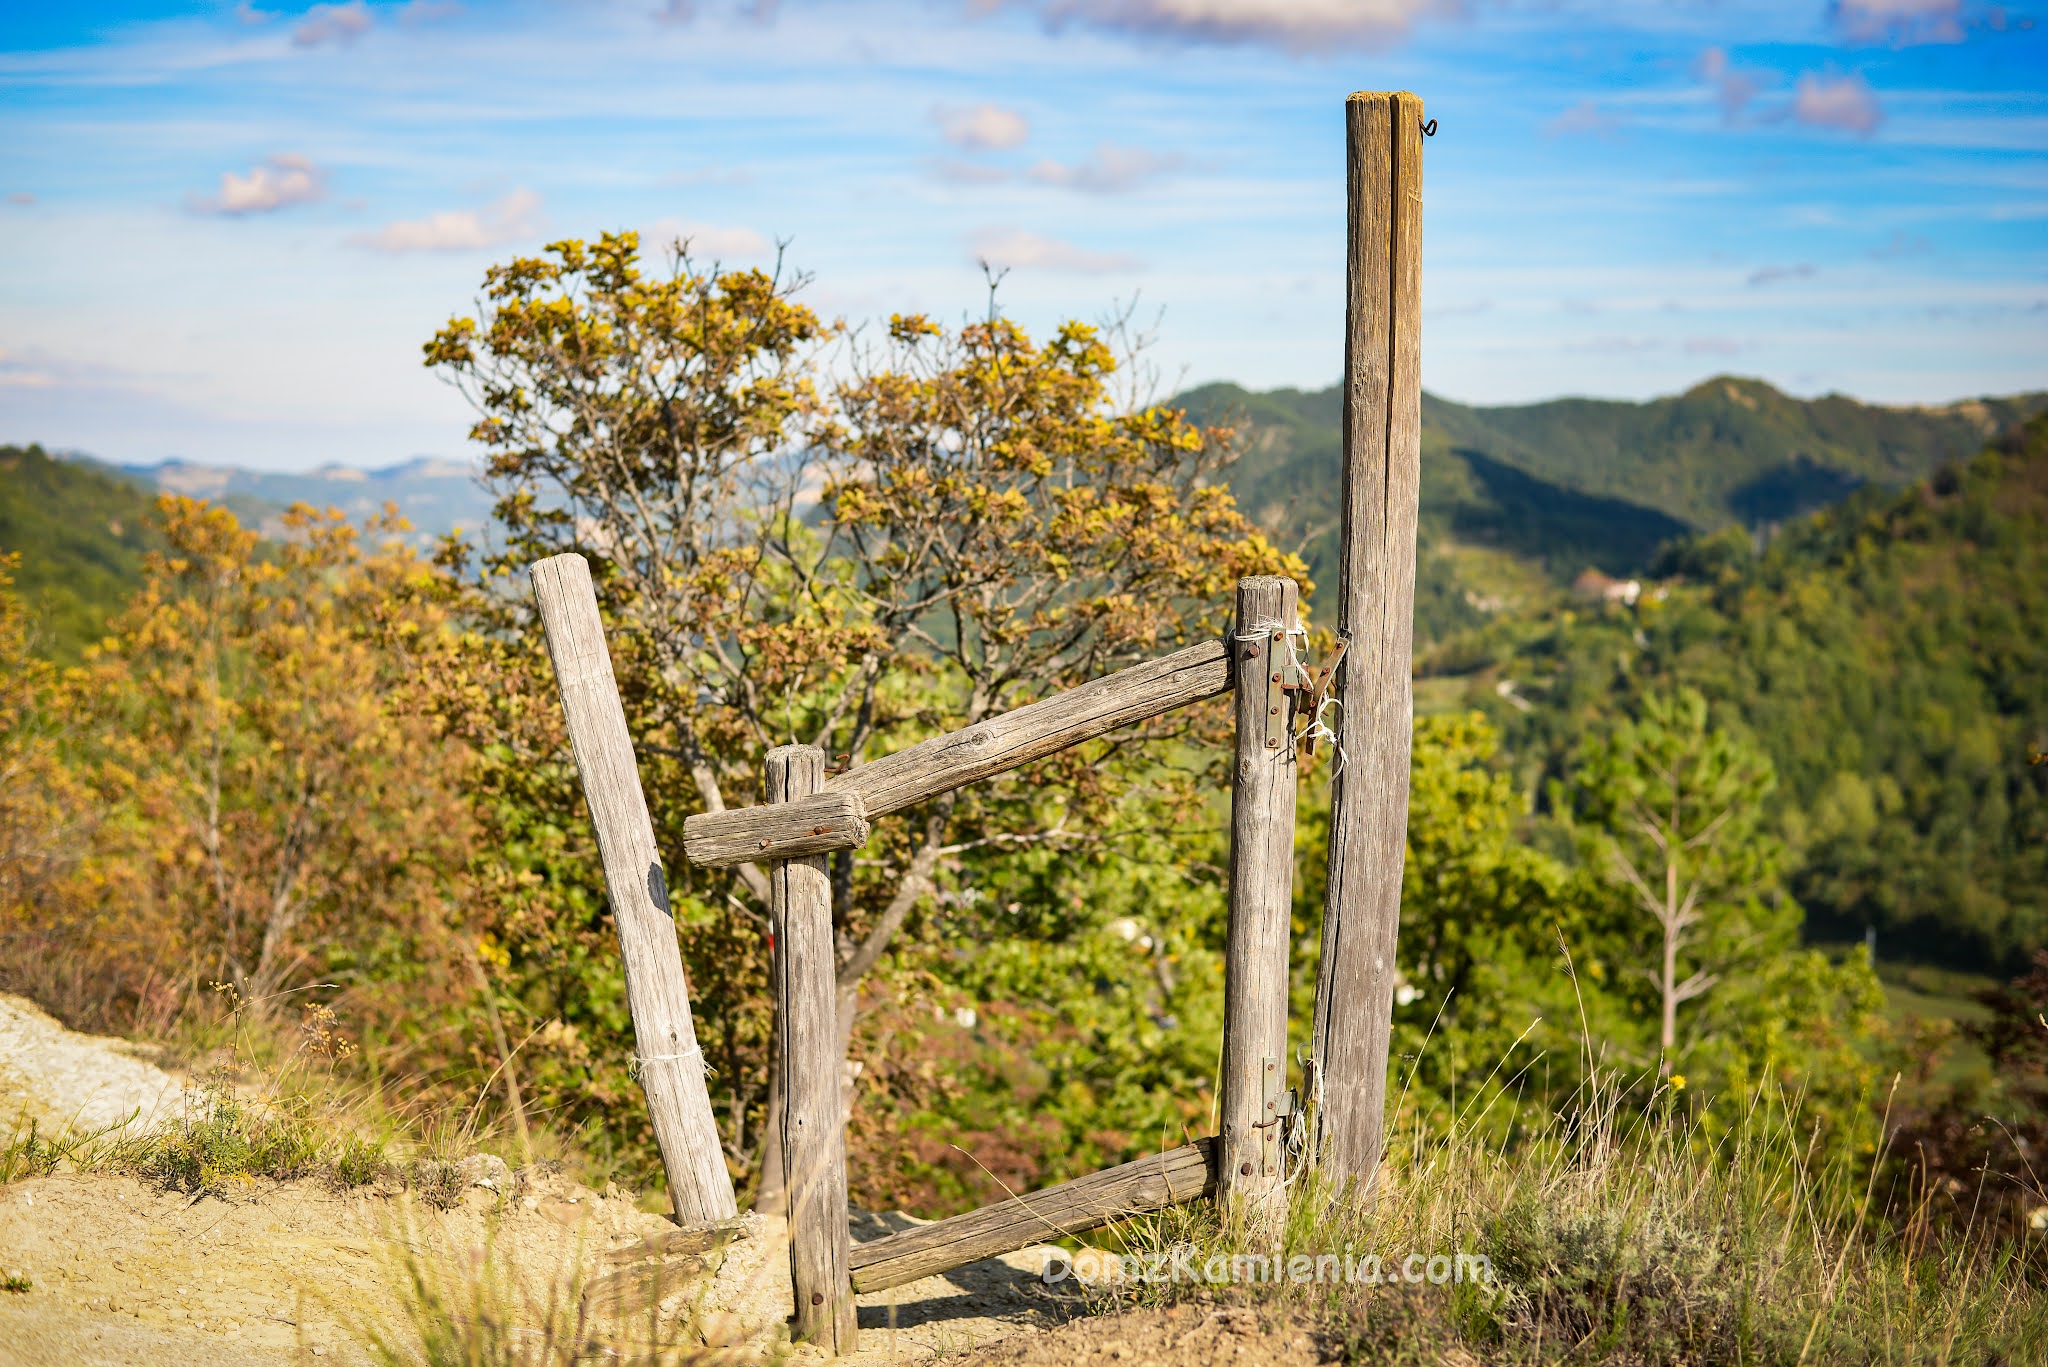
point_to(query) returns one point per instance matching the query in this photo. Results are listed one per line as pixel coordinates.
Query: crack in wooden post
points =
(670, 1065)
(807, 1053)
(1262, 798)
(1376, 618)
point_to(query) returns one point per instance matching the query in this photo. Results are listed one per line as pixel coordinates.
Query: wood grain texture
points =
(1375, 608)
(807, 1036)
(992, 747)
(1152, 1183)
(817, 824)
(1254, 1068)
(657, 992)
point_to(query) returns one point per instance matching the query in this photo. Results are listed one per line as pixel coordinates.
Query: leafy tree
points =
(956, 522)
(280, 820)
(1671, 810)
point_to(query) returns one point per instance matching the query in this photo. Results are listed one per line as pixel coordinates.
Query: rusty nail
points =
(1250, 651)
(766, 843)
(819, 830)
(817, 1298)
(1246, 1169)
(1273, 711)
(1276, 678)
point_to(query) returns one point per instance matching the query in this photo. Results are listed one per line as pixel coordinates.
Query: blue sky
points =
(228, 228)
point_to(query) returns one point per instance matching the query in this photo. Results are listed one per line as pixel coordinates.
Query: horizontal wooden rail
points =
(1153, 1183)
(943, 763)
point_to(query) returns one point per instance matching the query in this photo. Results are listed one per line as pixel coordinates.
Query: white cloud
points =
(982, 127)
(275, 184)
(707, 241)
(515, 216)
(1004, 249)
(1584, 117)
(1843, 102)
(341, 24)
(16, 373)
(1731, 87)
(676, 12)
(1296, 25)
(1108, 170)
(1900, 21)
(426, 11)
(1771, 275)
(249, 14)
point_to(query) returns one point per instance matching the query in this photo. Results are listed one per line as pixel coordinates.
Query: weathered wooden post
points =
(657, 992)
(808, 1058)
(1249, 1178)
(1375, 615)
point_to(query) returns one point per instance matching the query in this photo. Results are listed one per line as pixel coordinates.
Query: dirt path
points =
(122, 1273)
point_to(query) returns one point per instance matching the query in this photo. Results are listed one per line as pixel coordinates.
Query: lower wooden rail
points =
(1152, 1183)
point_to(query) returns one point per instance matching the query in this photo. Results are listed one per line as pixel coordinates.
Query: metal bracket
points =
(1284, 675)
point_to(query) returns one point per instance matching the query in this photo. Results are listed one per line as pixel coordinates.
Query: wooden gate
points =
(809, 814)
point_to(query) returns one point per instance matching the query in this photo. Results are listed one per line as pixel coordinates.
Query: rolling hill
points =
(1518, 500)
(1886, 652)
(80, 533)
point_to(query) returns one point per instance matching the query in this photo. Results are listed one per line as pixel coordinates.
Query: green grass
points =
(1634, 1235)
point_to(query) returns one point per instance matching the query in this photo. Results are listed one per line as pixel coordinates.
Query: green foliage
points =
(1886, 656)
(1518, 500)
(1616, 1234)
(81, 534)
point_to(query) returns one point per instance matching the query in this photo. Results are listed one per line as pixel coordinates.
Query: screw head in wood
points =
(817, 1298)
(1276, 678)
(1251, 652)
(1272, 711)
(820, 830)
(765, 843)
(1245, 1169)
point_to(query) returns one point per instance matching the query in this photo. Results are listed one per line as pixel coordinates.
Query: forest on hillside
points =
(325, 769)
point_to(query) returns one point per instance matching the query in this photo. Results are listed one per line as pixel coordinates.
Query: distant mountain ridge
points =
(435, 495)
(1520, 498)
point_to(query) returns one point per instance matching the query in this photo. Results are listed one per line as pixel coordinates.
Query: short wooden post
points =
(807, 1038)
(658, 994)
(1250, 1175)
(1375, 614)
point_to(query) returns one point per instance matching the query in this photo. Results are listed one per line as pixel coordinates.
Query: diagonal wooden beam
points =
(939, 765)
(1151, 1183)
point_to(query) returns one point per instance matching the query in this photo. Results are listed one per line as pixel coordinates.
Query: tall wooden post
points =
(657, 992)
(1250, 1176)
(1375, 613)
(809, 1063)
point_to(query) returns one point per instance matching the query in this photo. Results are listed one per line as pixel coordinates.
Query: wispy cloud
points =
(426, 11)
(1733, 89)
(708, 241)
(1107, 170)
(515, 216)
(1584, 117)
(1902, 22)
(982, 127)
(1008, 248)
(1844, 102)
(337, 24)
(1294, 25)
(21, 199)
(16, 373)
(1771, 275)
(275, 184)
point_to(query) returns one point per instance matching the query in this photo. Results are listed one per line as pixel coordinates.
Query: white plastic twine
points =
(640, 1061)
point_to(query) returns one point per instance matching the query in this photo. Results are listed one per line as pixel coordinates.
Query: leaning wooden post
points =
(670, 1066)
(1375, 615)
(807, 1038)
(1250, 1176)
